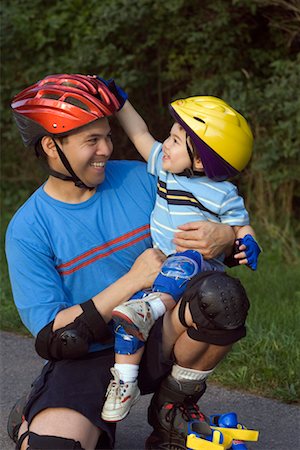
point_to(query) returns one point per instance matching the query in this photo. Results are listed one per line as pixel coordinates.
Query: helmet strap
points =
(190, 172)
(73, 177)
(190, 151)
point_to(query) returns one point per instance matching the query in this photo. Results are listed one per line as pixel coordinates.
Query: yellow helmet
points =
(221, 135)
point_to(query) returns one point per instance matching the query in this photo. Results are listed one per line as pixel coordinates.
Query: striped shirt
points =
(180, 200)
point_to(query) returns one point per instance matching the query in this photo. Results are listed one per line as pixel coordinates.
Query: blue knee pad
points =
(176, 271)
(126, 344)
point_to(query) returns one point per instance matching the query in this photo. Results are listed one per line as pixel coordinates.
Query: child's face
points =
(175, 154)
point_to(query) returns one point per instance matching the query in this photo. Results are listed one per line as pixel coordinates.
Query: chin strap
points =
(73, 177)
(190, 172)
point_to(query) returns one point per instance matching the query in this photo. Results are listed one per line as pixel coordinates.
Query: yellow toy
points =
(227, 433)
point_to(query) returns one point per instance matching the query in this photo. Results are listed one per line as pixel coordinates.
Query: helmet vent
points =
(74, 101)
(199, 120)
(52, 96)
(68, 83)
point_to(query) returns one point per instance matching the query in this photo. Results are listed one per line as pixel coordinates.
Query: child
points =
(208, 143)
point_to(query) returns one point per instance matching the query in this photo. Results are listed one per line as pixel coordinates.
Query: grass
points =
(267, 361)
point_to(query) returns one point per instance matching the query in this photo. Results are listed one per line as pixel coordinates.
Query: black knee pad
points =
(219, 305)
(40, 442)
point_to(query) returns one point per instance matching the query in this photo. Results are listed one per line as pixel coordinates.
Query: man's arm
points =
(72, 331)
(136, 129)
(140, 276)
(209, 238)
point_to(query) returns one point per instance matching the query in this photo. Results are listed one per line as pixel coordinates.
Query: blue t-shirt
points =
(180, 200)
(62, 254)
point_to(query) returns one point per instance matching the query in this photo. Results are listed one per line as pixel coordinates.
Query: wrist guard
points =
(118, 92)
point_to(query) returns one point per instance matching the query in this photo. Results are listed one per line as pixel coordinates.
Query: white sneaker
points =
(120, 397)
(135, 316)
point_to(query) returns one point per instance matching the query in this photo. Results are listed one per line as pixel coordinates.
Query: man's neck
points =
(66, 191)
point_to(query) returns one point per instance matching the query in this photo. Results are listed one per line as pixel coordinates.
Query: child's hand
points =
(248, 251)
(118, 92)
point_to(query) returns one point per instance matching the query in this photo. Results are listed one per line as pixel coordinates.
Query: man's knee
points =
(218, 305)
(43, 442)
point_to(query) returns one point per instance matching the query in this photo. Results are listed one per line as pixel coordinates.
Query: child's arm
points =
(248, 249)
(241, 232)
(136, 129)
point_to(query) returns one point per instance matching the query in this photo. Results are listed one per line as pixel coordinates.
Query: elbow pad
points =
(73, 340)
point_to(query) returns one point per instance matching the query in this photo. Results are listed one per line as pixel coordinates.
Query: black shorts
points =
(81, 384)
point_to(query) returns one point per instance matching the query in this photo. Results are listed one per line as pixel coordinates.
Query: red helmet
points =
(59, 104)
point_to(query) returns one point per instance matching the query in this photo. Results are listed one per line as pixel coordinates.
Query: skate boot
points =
(173, 413)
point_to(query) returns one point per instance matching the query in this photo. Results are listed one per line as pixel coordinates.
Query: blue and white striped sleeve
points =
(154, 160)
(232, 210)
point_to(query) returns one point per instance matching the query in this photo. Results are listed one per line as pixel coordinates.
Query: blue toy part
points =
(126, 344)
(238, 445)
(228, 420)
(228, 424)
(176, 271)
(196, 441)
(252, 250)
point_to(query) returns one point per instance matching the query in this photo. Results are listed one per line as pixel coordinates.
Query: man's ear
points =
(198, 164)
(49, 147)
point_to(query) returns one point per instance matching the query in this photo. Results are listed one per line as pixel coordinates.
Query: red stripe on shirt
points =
(105, 245)
(103, 255)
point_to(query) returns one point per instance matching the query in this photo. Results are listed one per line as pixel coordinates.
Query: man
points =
(79, 247)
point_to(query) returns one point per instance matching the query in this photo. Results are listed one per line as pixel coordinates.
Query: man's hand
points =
(146, 268)
(209, 238)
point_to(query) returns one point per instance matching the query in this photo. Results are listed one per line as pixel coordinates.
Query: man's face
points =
(175, 154)
(88, 151)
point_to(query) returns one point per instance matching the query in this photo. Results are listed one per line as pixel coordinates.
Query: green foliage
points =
(242, 50)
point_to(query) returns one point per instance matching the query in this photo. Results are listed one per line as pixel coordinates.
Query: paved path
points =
(278, 423)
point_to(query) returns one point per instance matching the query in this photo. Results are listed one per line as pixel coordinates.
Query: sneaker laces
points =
(194, 412)
(191, 415)
(188, 412)
(114, 387)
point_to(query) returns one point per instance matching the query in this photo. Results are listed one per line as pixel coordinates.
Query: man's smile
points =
(98, 164)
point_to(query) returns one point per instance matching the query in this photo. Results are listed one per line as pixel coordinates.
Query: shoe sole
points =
(130, 328)
(109, 419)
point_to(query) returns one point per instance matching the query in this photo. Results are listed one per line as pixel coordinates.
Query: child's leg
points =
(138, 316)
(177, 271)
(123, 392)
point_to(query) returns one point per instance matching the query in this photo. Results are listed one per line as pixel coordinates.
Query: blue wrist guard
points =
(176, 271)
(252, 250)
(126, 344)
(118, 92)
